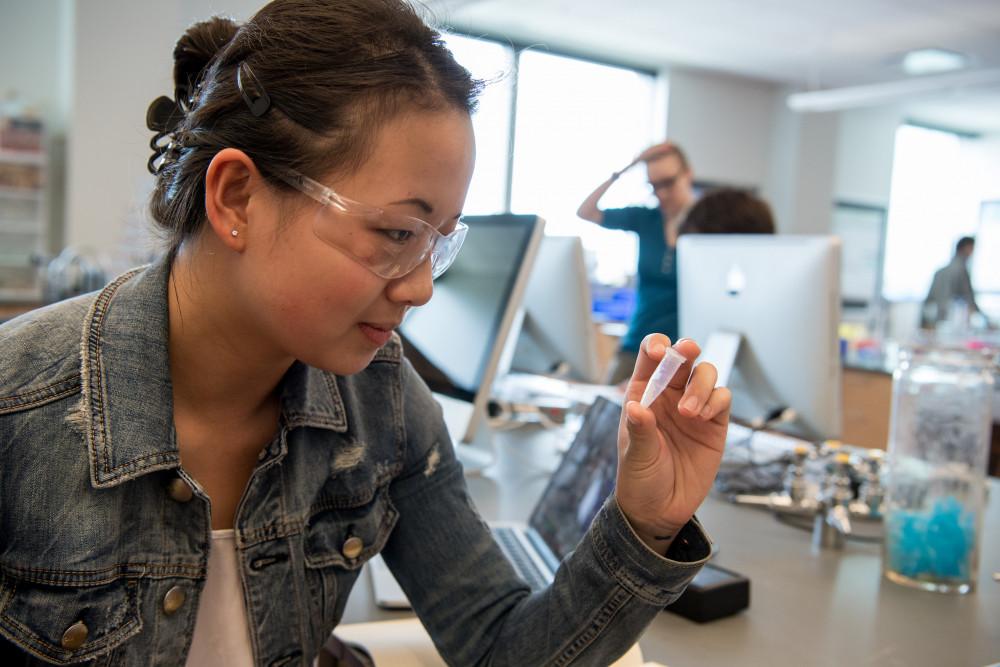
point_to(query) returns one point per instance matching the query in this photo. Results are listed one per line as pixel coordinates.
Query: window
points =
(577, 121)
(929, 210)
(573, 123)
(494, 63)
(986, 259)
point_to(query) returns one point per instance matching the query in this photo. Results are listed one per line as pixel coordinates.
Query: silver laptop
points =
(575, 493)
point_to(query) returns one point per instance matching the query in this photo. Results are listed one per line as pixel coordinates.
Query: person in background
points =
(670, 177)
(951, 283)
(728, 211)
(197, 460)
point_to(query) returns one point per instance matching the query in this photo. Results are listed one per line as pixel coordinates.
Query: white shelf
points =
(21, 193)
(9, 156)
(25, 227)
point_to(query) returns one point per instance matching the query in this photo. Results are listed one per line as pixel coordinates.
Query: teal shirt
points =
(656, 285)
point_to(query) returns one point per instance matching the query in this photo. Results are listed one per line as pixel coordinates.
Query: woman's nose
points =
(415, 288)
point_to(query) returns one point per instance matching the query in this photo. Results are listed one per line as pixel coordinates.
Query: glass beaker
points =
(939, 441)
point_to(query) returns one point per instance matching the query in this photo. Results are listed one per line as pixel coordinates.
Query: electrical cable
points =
(756, 476)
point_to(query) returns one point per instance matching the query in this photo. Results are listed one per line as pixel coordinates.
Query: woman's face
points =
(309, 300)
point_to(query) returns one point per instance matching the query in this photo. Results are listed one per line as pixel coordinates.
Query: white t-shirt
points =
(221, 632)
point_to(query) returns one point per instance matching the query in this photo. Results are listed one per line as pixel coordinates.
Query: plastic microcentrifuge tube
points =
(664, 372)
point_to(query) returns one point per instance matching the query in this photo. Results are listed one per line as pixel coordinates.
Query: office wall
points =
(123, 60)
(36, 46)
(740, 131)
(864, 154)
(724, 124)
(802, 181)
(35, 43)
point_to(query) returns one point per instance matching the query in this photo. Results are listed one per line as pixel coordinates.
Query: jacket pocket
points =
(338, 541)
(348, 536)
(64, 624)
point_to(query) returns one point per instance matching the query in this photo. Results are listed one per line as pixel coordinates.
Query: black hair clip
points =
(163, 117)
(257, 100)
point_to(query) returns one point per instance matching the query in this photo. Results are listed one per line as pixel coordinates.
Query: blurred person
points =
(729, 211)
(951, 286)
(670, 177)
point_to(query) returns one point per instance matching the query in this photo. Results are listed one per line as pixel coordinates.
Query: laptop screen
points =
(582, 481)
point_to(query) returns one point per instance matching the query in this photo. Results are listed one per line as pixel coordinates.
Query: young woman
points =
(196, 461)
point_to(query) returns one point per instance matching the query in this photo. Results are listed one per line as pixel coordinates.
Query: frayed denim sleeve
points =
(470, 600)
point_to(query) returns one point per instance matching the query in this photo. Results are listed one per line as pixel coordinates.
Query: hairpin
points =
(163, 117)
(258, 101)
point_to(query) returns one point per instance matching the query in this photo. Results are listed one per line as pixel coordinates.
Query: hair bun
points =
(195, 50)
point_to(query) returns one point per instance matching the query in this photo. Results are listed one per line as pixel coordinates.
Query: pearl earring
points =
(234, 233)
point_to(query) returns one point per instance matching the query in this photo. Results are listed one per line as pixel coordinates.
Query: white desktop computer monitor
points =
(557, 335)
(463, 338)
(768, 308)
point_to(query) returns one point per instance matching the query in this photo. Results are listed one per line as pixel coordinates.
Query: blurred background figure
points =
(729, 211)
(951, 289)
(670, 178)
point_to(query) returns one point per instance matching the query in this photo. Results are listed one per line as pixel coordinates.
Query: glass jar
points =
(939, 440)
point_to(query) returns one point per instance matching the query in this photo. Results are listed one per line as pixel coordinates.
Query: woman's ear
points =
(229, 181)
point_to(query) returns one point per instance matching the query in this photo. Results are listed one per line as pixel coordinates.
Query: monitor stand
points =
(461, 421)
(721, 350)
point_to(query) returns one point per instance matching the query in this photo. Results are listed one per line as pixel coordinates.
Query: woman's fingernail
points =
(657, 350)
(690, 404)
(628, 416)
(706, 411)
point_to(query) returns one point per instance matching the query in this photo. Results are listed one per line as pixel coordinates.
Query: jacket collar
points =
(127, 400)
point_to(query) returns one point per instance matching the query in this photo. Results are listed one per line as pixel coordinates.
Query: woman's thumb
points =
(643, 445)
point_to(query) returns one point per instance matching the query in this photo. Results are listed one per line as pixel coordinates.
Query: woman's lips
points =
(378, 335)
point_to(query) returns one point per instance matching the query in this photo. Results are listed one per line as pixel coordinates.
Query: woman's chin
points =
(342, 365)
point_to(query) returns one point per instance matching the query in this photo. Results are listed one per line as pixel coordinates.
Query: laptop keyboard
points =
(515, 552)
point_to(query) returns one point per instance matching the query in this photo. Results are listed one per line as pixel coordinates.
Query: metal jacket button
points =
(75, 636)
(173, 600)
(352, 547)
(179, 490)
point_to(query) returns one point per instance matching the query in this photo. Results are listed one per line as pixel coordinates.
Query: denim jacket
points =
(104, 537)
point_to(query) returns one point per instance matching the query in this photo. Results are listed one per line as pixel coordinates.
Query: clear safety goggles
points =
(389, 244)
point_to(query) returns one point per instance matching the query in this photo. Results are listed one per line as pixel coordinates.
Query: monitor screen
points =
(779, 296)
(557, 335)
(460, 340)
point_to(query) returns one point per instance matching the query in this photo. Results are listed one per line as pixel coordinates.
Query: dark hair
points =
(964, 243)
(335, 71)
(728, 211)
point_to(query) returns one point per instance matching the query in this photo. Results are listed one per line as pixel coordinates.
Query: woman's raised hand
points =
(669, 453)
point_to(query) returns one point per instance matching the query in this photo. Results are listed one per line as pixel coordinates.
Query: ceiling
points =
(804, 44)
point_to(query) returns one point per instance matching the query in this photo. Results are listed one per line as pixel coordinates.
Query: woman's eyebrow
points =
(423, 205)
(415, 201)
